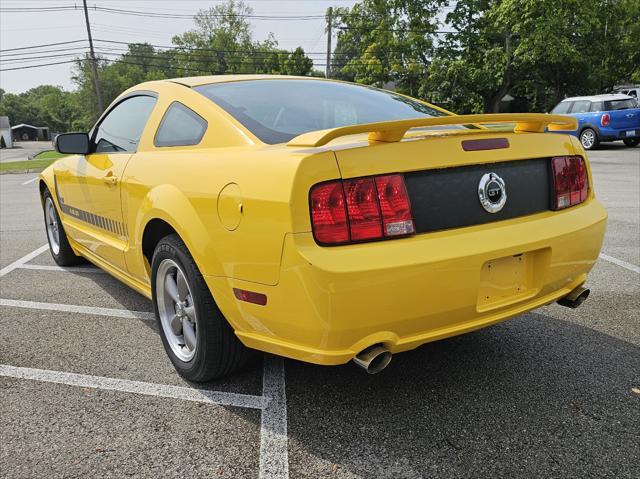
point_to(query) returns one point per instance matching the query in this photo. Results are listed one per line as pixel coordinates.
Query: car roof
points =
(603, 97)
(205, 80)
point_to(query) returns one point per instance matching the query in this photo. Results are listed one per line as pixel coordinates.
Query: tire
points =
(589, 139)
(631, 142)
(215, 351)
(59, 245)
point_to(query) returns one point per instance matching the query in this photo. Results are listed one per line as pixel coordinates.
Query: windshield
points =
(278, 110)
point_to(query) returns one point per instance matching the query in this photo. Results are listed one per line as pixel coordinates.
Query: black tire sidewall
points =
(631, 143)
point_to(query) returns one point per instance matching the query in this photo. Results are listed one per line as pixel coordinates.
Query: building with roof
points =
(24, 132)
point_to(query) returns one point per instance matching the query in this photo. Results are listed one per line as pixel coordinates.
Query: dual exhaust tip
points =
(373, 359)
(575, 298)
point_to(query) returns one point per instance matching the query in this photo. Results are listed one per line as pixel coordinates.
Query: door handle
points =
(110, 179)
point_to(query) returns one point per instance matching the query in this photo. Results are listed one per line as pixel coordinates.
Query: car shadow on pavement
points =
(535, 396)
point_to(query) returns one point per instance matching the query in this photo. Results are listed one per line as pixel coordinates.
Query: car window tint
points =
(581, 106)
(596, 106)
(121, 129)
(562, 107)
(180, 126)
(623, 104)
(278, 110)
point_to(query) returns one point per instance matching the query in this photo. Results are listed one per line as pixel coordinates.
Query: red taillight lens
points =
(395, 205)
(605, 119)
(569, 181)
(328, 213)
(363, 209)
(360, 209)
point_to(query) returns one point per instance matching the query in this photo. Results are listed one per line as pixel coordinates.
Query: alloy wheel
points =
(176, 309)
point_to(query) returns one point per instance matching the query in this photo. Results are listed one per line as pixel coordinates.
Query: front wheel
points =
(631, 142)
(195, 334)
(589, 139)
(59, 245)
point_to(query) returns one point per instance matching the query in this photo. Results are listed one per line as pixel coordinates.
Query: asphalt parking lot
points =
(86, 389)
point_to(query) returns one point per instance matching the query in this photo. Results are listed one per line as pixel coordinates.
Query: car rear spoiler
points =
(392, 131)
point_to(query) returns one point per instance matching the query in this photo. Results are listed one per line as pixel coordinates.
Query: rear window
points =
(278, 110)
(623, 104)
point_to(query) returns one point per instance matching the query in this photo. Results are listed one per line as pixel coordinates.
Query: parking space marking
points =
(274, 456)
(73, 308)
(136, 387)
(64, 269)
(26, 258)
(30, 181)
(619, 262)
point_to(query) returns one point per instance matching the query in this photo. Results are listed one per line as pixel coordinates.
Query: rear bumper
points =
(331, 303)
(613, 134)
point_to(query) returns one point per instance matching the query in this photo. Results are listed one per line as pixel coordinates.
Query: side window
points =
(562, 107)
(180, 126)
(596, 106)
(581, 106)
(121, 129)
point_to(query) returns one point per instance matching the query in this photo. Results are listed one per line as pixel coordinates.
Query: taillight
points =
(569, 181)
(395, 205)
(360, 209)
(605, 119)
(329, 214)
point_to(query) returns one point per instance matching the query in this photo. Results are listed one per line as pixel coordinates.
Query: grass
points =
(48, 155)
(38, 163)
(25, 166)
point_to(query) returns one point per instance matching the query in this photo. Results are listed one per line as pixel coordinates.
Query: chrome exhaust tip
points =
(575, 298)
(373, 359)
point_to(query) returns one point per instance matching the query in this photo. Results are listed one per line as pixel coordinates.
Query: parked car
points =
(610, 117)
(321, 220)
(632, 90)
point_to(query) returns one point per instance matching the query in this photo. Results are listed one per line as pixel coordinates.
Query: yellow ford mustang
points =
(321, 220)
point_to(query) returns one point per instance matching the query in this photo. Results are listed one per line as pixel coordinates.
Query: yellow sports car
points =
(321, 220)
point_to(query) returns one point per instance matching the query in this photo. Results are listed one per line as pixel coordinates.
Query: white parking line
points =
(30, 181)
(619, 262)
(73, 308)
(23, 260)
(64, 269)
(274, 456)
(136, 387)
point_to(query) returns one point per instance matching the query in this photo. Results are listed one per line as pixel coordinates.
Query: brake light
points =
(605, 119)
(360, 209)
(569, 181)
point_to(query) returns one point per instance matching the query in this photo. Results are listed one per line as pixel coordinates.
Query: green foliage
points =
(45, 105)
(537, 50)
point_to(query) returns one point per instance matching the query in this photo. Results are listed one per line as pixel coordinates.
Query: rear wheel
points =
(59, 245)
(589, 139)
(631, 142)
(195, 334)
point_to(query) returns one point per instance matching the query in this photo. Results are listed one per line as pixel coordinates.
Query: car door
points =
(90, 192)
(581, 109)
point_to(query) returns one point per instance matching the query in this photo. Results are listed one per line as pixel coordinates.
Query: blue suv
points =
(603, 118)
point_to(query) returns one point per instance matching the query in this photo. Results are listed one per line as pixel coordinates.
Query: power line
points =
(42, 46)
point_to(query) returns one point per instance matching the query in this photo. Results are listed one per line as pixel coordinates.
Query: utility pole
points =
(94, 64)
(329, 22)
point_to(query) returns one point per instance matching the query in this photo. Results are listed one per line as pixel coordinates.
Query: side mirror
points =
(73, 143)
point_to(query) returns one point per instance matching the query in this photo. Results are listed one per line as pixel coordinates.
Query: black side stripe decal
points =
(101, 222)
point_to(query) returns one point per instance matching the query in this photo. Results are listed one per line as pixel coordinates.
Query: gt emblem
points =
(492, 192)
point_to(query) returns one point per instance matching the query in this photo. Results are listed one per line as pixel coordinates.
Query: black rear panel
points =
(448, 198)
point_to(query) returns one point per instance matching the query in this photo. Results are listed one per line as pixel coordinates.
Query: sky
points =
(23, 29)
